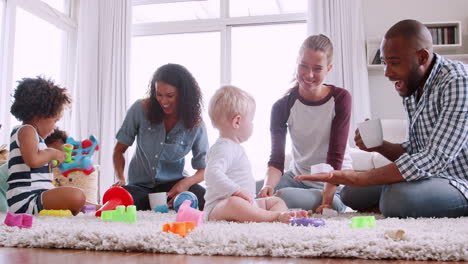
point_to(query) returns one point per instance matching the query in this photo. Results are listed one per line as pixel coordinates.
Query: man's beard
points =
(414, 81)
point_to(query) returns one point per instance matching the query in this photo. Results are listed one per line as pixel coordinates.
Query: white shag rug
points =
(442, 239)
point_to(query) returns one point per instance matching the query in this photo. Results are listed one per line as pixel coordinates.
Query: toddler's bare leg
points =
(64, 198)
(237, 209)
(277, 204)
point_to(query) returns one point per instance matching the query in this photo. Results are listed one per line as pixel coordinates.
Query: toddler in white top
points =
(230, 185)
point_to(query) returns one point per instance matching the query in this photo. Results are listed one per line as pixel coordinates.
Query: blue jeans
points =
(140, 193)
(298, 195)
(434, 197)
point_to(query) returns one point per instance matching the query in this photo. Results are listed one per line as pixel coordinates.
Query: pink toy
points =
(188, 214)
(113, 197)
(19, 220)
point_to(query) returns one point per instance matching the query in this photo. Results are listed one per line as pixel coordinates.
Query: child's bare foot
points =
(300, 214)
(285, 216)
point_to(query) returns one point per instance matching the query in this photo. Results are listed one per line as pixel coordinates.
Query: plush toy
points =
(88, 183)
(3, 152)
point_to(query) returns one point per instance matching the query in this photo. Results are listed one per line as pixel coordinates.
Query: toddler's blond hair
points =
(229, 101)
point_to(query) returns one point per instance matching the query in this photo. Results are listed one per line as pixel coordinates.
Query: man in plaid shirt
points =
(429, 173)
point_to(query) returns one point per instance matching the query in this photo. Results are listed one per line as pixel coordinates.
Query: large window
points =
(265, 68)
(198, 52)
(35, 41)
(2, 7)
(38, 47)
(60, 5)
(238, 8)
(189, 10)
(250, 44)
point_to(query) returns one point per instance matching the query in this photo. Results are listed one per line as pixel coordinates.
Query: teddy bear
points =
(88, 183)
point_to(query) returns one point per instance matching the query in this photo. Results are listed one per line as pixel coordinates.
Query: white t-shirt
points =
(227, 171)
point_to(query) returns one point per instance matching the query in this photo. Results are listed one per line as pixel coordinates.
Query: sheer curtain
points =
(342, 21)
(101, 90)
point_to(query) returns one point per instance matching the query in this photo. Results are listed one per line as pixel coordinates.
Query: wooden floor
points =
(68, 256)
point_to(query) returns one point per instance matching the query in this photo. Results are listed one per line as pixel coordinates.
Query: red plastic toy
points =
(114, 197)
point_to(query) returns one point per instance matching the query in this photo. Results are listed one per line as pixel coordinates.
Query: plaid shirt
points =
(437, 143)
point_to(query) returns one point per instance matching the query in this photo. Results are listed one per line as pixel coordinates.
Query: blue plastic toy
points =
(185, 196)
(307, 221)
(79, 156)
(161, 208)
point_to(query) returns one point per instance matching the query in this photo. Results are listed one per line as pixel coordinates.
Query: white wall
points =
(380, 15)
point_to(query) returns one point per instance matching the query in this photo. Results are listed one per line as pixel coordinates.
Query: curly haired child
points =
(39, 104)
(230, 185)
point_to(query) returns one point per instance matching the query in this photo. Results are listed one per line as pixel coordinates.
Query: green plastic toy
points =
(120, 214)
(362, 221)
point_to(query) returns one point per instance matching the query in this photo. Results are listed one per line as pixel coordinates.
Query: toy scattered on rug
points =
(161, 208)
(19, 220)
(395, 234)
(121, 214)
(59, 213)
(180, 228)
(114, 197)
(185, 196)
(188, 214)
(306, 221)
(362, 221)
(88, 208)
(78, 156)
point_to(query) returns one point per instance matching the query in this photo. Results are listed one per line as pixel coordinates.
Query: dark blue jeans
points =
(434, 197)
(298, 195)
(140, 193)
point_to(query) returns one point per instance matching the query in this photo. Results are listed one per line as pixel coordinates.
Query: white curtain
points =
(342, 21)
(101, 90)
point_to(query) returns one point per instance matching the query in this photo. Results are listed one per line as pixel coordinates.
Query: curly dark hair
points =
(56, 136)
(38, 97)
(190, 103)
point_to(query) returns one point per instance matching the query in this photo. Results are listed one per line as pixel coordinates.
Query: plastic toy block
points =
(59, 213)
(161, 208)
(114, 197)
(19, 220)
(188, 214)
(180, 228)
(362, 221)
(79, 155)
(307, 221)
(121, 214)
(88, 209)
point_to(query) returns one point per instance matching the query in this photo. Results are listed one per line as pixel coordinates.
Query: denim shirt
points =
(158, 157)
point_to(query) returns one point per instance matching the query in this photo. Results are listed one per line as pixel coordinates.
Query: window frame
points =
(224, 25)
(65, 22)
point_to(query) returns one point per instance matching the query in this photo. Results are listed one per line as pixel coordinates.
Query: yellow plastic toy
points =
(59, 213)
(180, 228)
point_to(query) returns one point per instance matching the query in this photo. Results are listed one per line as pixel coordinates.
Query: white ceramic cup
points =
(371, 133)
(315, 169)
(157, 199)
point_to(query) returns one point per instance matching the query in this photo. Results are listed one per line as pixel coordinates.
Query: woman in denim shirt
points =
(167, 126)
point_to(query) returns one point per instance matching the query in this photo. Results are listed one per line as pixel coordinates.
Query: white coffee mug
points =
(157, 199)
(371, 133)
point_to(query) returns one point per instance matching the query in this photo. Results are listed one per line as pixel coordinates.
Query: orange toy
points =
(180, 228)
